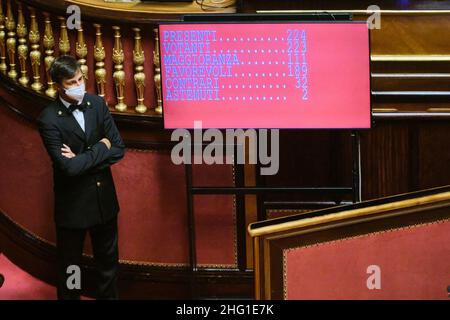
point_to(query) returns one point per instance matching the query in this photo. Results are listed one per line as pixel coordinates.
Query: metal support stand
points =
(239, 190)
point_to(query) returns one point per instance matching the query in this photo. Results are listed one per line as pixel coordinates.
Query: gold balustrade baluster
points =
(22, 48)
(99, 56)
(81, 51)
(64, 44)
(139, 76)
(157, 76)
(119, 74)
(35, 54)
(49, 44)
(3, 67)
(11, 41)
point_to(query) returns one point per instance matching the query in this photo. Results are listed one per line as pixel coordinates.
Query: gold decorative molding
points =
(139, 76)
(119, 74)
(3, 67)
(99, 56)
(401, 57)
(49, 43)
(11, 41)
(384, 110)
(362, 12)
(445, 110)
(22, 48)
(81, 51)
(35, 54)
(157, 76)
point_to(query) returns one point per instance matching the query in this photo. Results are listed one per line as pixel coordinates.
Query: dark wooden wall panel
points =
(434, 154)
(312, 158)
(419, 34)
(385, 155)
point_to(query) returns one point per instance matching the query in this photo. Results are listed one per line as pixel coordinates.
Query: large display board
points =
(266, 75)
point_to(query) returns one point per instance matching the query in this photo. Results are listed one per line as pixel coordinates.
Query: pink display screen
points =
(255, 75)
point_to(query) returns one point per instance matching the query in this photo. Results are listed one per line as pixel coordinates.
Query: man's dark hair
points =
(64, 67)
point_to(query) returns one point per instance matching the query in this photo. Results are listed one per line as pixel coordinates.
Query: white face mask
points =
(76, 93)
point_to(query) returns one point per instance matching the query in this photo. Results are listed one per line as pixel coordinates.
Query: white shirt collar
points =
(65, 103)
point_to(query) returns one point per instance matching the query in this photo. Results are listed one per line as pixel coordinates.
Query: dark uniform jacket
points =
(84, 189)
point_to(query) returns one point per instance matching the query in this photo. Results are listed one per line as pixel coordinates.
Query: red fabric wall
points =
(151, 190)
(414, 264)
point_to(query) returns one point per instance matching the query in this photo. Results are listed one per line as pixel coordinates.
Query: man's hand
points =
(107, 142)
(66, 152)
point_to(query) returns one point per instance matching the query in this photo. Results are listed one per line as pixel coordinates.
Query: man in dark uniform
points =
(82, 141)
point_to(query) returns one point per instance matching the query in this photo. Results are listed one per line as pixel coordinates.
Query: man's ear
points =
(59, 88)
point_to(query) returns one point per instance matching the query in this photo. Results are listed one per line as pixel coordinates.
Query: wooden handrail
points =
(342, 213)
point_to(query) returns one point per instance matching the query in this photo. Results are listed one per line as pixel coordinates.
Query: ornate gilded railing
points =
(117, 46)
(29, 45)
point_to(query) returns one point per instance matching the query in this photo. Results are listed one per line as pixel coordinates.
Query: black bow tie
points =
(80, 107)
